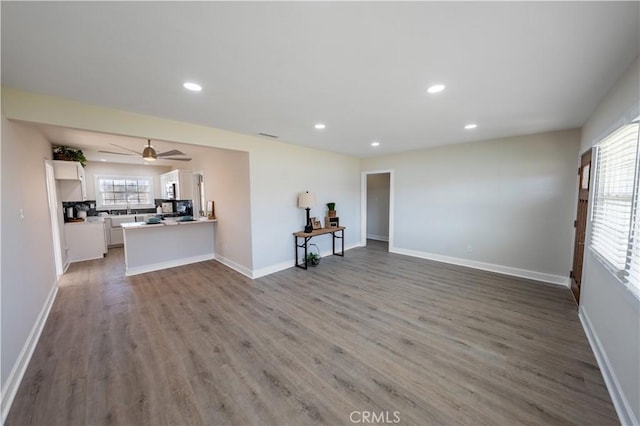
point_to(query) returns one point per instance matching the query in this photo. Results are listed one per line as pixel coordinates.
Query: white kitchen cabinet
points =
(72, 190)
(115, 237)
(68, 170)
(183, 180)
(164, 182)
(72, 182)
(85, 240)
(114, 228)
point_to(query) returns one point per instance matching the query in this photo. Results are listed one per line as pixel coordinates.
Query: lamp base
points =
(308, 227)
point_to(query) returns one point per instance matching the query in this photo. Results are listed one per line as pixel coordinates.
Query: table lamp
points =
(306, 200)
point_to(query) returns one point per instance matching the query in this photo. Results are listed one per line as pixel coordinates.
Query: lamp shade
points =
(306, 200)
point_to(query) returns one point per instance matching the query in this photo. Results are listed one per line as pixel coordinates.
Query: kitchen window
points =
(124, 192)
(616, 216)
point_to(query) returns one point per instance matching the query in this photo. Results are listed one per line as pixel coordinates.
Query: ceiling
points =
(361, 68)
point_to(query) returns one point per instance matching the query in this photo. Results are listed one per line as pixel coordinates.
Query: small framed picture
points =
(316, 223)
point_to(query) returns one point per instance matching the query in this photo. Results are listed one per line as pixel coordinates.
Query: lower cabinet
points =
(115, 236)
(85, 240)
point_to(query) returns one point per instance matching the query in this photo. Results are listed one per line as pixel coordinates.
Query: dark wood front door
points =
(581, 223)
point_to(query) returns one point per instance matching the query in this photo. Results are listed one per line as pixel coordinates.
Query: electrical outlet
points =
(21, 213)
(469, 248)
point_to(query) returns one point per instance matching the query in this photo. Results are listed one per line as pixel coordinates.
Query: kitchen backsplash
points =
(170, 207)
(88, 206)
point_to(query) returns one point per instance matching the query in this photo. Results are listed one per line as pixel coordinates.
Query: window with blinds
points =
(117, 191)
(633, 253)
(615, 233)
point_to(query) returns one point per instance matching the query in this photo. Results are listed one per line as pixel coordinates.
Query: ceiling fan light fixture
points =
(149, 154)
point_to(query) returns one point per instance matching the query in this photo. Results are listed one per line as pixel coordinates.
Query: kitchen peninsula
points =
(152, 247)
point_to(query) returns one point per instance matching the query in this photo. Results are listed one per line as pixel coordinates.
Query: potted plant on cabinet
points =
(332, 209)
(64, 153)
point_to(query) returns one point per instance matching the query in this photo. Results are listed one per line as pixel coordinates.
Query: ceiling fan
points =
(149, 153)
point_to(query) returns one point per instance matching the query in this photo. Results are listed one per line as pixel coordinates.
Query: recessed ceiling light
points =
(102, 159)
(320, 126)
(436, 88)
(375, 143)
(470, 126)
(195, 87)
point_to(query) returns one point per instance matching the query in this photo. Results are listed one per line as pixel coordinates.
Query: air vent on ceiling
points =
(268, 135)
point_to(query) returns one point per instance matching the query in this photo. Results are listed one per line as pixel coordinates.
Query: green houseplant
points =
(313, 259)
(64, 153)
(332, 209)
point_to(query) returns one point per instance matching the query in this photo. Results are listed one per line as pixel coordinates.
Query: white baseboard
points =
(258, 273)
(347, 248)
(235, 266)
(620, 402)
(507, 270)
(12, 384)
(377, 237)
(164, 265)
(262, 272)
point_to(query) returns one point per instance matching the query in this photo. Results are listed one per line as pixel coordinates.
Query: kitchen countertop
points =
(142, 225)
(89, 220)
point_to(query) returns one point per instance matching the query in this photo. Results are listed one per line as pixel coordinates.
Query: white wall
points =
(278, 171)
(227, 183)
(28, 270)
(107, 168)
(510, 201)
(378, 206)
(610, 313)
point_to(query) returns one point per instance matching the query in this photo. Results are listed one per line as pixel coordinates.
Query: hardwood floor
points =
(403, 338)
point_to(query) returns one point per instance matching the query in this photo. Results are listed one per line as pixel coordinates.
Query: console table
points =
(306, 236)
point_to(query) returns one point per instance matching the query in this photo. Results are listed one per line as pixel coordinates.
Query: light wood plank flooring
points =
(371, 332)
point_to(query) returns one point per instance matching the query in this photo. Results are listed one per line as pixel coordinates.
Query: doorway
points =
(52, 199)
(377, 207)
(581, 224)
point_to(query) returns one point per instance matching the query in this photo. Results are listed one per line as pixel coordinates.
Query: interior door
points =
(581, 223)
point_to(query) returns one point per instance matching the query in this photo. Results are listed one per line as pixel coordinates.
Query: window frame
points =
(621, 274)
(100, 201)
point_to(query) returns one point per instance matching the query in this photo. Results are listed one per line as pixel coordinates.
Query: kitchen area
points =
(106, 205)
(91, 196)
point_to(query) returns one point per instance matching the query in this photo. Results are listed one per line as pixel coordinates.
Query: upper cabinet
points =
(68, 170)
(71, 174)
(177, 185)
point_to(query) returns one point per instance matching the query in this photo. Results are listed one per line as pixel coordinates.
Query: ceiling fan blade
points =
(172, 152)
(119, 153)
(126, 149)
(177, 159)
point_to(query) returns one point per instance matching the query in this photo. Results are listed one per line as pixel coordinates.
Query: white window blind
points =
(614, 201)
(633, 259)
